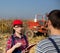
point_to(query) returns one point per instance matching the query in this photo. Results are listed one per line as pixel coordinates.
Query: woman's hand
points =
(17, 45)
(25, 51)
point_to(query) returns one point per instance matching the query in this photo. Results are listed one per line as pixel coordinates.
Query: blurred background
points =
(33, 13)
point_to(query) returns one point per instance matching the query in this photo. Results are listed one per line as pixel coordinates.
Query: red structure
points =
(36, 27)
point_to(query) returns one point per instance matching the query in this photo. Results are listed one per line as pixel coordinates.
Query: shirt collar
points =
(16, 36)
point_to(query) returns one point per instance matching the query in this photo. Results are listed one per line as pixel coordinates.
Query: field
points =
(6, 30)
(4, 37)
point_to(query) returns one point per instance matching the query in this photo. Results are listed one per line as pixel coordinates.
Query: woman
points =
(17, 43)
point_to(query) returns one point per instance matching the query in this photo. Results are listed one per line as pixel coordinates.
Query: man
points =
(52, 43)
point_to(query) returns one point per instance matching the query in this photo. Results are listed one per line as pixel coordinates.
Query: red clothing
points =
(17, 40)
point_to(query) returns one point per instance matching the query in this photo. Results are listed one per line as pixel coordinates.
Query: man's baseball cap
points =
(17, 22)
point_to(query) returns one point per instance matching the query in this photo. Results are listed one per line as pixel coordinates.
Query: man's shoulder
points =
(47, 41)
(43, 42)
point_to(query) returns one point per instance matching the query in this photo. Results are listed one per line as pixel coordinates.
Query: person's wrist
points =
(14, 47)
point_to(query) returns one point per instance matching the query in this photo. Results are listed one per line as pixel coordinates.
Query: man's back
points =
(46, 46)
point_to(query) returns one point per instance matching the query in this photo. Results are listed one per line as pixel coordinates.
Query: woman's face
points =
(18, 28)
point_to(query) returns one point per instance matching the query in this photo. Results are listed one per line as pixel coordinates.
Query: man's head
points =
(54, 19)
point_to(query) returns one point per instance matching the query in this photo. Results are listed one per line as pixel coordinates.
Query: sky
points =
(26, 8)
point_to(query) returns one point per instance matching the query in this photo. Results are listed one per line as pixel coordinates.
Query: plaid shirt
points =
(17, 40)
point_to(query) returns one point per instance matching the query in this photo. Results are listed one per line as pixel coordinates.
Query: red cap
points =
(17, 22)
